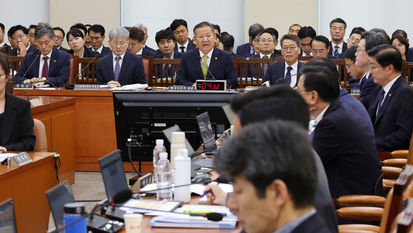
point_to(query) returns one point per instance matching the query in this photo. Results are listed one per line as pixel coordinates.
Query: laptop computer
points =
(62, 194)
(7, 217)
(205, 128)
(196, 162)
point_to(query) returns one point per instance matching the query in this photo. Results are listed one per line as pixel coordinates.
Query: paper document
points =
(130, 87)
(4, 156)
(147, 205)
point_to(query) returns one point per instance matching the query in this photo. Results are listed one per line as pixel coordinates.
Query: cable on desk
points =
(57, 162)
(130, 158)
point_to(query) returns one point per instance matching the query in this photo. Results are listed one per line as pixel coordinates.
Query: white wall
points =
(388, 15)
(24, 12)
(159, 14)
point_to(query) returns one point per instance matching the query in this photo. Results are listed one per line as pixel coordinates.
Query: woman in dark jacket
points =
(76, 41)
(16, 120)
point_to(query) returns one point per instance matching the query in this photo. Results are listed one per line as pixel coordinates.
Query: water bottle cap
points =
(159, 142)
(178, 137)
(74, 208)
(183, 153)
(163, 155)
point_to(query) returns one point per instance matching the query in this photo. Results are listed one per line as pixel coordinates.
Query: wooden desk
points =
(27, 185)
(58, 116)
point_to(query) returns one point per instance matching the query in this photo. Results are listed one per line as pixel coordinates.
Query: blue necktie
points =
(336, 50)
(380, 101)
(288, 75)
(117, 68)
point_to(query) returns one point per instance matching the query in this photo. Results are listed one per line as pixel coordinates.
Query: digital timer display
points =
(211, 85)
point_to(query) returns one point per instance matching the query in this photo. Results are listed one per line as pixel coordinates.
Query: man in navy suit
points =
(306, 35)
(2, 33)
(351, 168)
(50, 64)
(146, 49)
(60, 35)
(206, 62)
(180, 30)
(136, 42)
(337, 31)
(264, 190)
(320, 47)
(286, 71)
(390, 104)
(20, 36)
(165, 40)
(368, 41)
(121, 67)
(247, 49)
(97, 36)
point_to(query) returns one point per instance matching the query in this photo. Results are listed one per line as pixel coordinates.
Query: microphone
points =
(202, 62)
(37, 56)
(72, 86)
(282, 78)
(25, 92)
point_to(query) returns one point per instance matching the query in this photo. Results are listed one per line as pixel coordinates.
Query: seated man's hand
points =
(23, 49)
(3, 148)
(217, 195)
(38, 84)
(114, 84)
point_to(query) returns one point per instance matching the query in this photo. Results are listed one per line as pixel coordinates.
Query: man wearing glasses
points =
(59, 34)
(390, 103)
(320, 47)
(20, 37)
(286, 71)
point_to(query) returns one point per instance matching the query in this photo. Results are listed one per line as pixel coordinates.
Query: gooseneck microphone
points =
(202, 62)
(37, 56)
(84, 68)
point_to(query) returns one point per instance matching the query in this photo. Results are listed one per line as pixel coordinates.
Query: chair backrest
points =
(74, 62)
(15, 64)
(88, 75)
(409, 67)
(40, 133)
(344, 76)
(163, 77)
(147, 65)
(251, 71)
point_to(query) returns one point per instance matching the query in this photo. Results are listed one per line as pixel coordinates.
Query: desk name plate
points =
(20, 159)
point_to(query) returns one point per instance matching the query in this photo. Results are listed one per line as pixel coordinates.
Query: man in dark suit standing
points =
(180, 30)
(247, 49)
(20, 37)
(120, 67)
(351, 168)
(263, 188)
(286, 71)
(206, 62)
(368, 41)
(337, 31)
(97, 36)
(136, 42)
(390, 104)
(60, 35)
(49, 66)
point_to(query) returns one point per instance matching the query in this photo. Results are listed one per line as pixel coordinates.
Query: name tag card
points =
(20, 159)
(24, 86)
(89, 87)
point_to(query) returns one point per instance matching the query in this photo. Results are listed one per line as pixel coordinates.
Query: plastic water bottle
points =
(182, 176)
(163, 178)
(73, 212)
(156, 150)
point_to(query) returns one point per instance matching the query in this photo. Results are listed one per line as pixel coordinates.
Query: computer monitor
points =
(142, 116)
(113, 173)
(7, 217)
(58, 196)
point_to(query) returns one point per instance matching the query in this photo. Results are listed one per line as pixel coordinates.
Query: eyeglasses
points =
(320, 51)
(359, 50)
(349, 65)
(264, 40)
(59, 37)
(122, 43)
(352, 38)
(373, 67)
(286, 48)
(18, 37)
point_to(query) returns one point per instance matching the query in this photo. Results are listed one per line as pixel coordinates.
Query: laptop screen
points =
(58, 196)
(113, 173)
(7, 217)
(205, 128)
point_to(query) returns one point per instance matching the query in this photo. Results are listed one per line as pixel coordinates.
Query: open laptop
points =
(62, 194)
(205, 128)
(7, 217)
(196, 162)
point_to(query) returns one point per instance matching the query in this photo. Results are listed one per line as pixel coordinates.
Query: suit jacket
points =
(393, 124)
(252, 68)
(87, 52)
(17, 127)
(351, 168)
(351, 102)
(221, 66)
(105, 52)
(313, 224)
(131, 71)
(244, 50)
(191, 46)
(330, 52)
(59, 67)
(366, 86)
(275, 73)
(409, 55)
(63, 49)
(159, 55)
(148, 51)
(31, 49)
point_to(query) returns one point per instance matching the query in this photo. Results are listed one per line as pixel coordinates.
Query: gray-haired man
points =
(48, 63)
(121, 67)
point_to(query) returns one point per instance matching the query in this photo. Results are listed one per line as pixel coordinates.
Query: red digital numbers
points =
(210, 86)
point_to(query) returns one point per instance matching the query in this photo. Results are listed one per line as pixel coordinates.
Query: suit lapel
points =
(197, 64)
(35, 68)
(9, 118)
(109, 68)
(125, 65)
(298, 72)
(52, 63)
(212, 64)
(386, 100)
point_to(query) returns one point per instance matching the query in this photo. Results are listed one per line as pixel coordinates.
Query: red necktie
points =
(45, 71)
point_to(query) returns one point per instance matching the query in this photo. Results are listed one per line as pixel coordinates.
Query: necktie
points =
(382, 93)
(288, 75)
(45, 70)
(117, 67)
(265, 64)
(336, 50)
(205, 66)
(182, 49)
